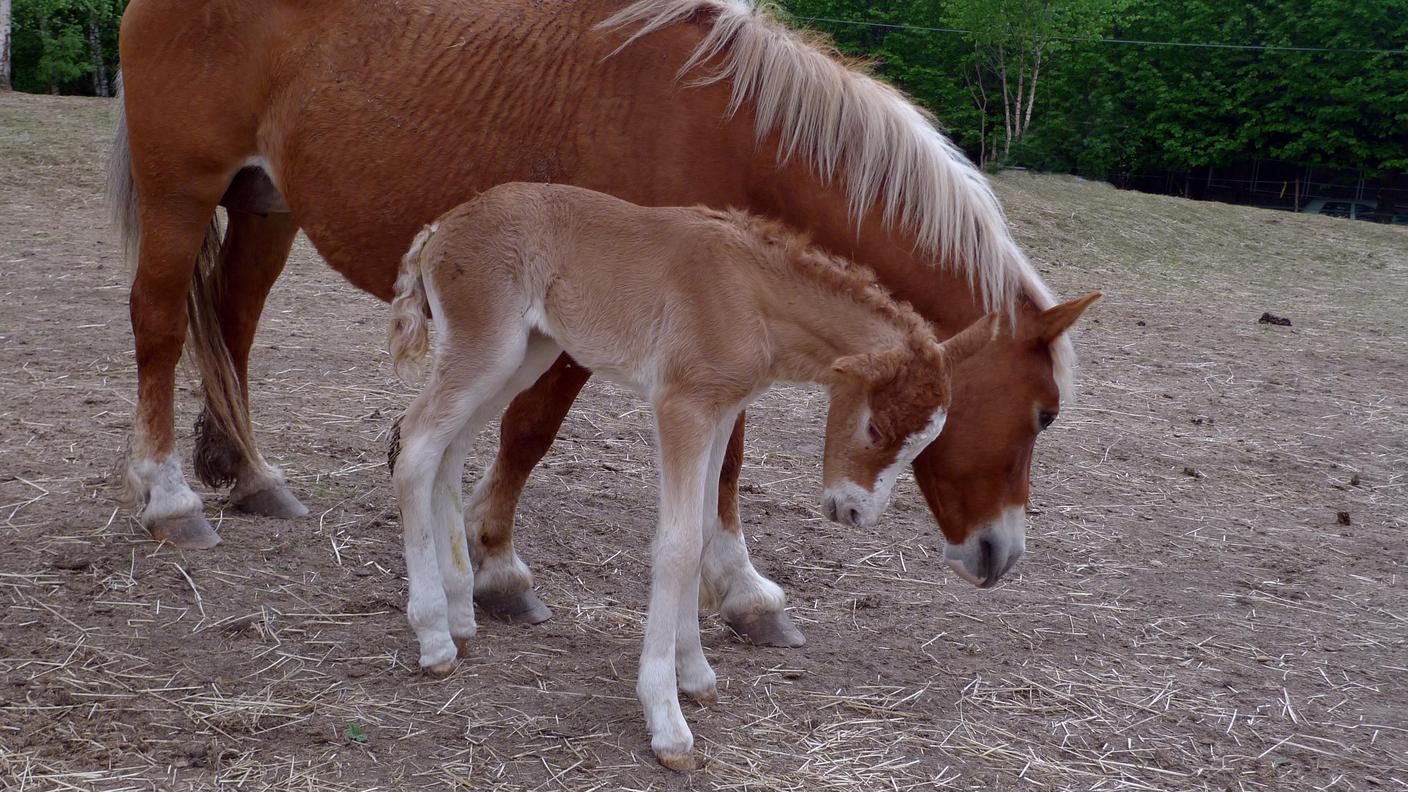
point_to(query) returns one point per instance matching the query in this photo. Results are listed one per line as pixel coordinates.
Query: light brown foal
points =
(698, 311)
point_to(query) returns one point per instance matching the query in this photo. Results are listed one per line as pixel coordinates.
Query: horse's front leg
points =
(253, 255)
(752, 605)
(503, 584)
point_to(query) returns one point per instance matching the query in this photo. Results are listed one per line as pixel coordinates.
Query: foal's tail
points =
(226, 415)
(410, 334)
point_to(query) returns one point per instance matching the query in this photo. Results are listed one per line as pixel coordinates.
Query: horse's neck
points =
(796, 195)
(810, 326)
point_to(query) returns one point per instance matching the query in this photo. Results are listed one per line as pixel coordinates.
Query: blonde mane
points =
(851, 127)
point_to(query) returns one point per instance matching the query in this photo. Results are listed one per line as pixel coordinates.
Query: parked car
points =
(1345, 207)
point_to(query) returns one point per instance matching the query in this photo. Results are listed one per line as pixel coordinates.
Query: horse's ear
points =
(970, 339)
(1052, 322)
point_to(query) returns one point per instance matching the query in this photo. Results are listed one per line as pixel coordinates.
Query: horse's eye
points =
(1045, 418)
(873, 432)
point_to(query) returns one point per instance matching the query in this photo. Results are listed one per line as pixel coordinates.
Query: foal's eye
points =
(873, 432)
(1045, 418)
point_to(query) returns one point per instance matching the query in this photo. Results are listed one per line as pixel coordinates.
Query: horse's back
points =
(375, 117)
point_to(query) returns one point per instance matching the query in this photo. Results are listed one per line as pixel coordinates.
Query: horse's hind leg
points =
(255, 250)
(525, 434)
(175, 230)
(751, 604)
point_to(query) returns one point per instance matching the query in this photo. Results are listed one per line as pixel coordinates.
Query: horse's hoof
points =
(462, 647)
(274, 502)
(188, 532)
(439, 670)
(518, 607)
(768, 629)
(679, 762)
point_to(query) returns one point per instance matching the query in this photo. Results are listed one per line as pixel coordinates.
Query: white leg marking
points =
(731, 583)
(443, 421)
(696, 678)
(451, 548)
(674, 573)
(427, 609)
(162, 487)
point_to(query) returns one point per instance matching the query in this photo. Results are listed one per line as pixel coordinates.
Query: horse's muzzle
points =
(991, 551)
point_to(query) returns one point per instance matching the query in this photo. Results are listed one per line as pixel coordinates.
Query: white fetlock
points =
(502, 573)
(163, 489)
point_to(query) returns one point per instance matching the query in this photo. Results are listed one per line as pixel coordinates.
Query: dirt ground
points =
(1213, 596)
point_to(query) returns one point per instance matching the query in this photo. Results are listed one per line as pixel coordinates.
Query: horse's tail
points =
(409, 339)
(226, 415)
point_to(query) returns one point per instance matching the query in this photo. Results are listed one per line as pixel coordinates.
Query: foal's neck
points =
(816, 312)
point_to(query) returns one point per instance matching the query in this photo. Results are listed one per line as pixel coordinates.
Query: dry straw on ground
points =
(1169, 630)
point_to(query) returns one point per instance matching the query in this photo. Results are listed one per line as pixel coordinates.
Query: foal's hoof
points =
(768, 629)
(704, 698)
(439, 670)
(462, 647)
(189, 532)
(679, 762)
(276, 502)
(518, 607)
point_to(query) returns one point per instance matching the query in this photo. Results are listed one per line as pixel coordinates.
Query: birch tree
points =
(4, 45)
(1014, 41)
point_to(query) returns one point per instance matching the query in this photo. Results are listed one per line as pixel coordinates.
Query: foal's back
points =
(624, 288)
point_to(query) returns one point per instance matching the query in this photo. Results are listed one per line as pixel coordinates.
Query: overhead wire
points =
(1137, 42)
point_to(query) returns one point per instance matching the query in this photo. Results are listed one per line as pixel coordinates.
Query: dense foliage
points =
(1104, 109)
(65, 46)
(1071, 103)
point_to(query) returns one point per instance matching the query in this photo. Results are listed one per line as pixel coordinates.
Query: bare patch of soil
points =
(1217, 630)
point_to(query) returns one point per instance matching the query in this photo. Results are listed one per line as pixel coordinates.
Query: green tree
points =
(65, 46)
(1014, 41)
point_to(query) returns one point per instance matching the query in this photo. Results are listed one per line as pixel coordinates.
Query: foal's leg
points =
(436, 433)
(254, 253)
(502, 582)
(696, 678)
(525, 434)
(750, 603)
(685, 440)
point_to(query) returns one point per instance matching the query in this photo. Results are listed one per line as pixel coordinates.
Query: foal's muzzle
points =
(991, 551)
(850, 505)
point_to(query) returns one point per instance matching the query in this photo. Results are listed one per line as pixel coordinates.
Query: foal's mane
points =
(851, 127)
(833, 273)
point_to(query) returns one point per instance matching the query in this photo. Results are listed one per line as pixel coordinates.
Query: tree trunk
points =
(50, 82)
(1006, 100)
(4, 45)
(1031, 90)
(95, 49)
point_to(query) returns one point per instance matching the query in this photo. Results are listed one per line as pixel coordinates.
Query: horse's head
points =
(886, 407)
(975, 475)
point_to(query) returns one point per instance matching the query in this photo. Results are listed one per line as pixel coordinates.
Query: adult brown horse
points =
(359, 122)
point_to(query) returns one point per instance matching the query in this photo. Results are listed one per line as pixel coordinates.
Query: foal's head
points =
(886, 407)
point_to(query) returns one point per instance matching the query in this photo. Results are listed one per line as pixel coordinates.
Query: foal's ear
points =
(970, 339)
(1052, 322)
(868, 366)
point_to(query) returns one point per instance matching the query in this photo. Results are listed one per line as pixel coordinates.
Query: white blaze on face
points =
(848, 502)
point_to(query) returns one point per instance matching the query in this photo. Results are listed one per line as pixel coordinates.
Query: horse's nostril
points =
(831, 510)
(987, 561)
(853, 516)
